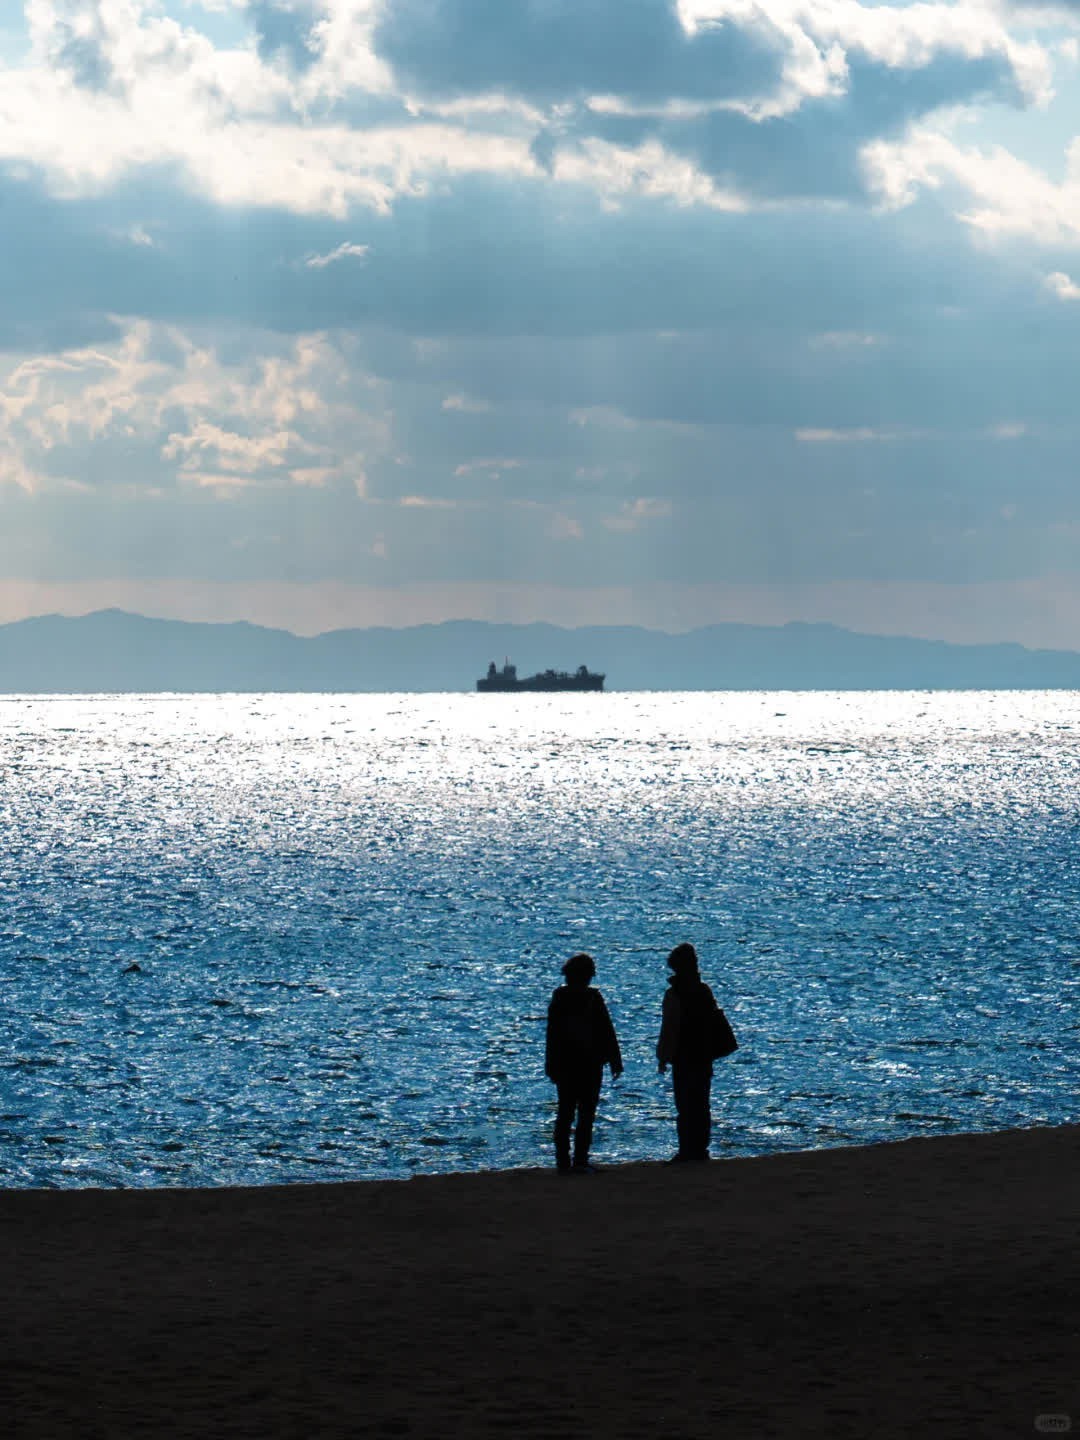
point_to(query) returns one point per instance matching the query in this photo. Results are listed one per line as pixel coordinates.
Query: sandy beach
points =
(925, 1288)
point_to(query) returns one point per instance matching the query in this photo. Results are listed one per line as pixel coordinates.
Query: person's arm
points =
(669, 1031)
(551, 1045)
(612, 1053)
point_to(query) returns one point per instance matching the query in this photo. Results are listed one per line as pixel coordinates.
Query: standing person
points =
(580, 1042)
(687, 1044)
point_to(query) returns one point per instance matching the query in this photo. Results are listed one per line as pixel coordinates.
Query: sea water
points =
(290, 938)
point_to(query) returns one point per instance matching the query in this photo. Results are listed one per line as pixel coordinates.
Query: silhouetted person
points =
(581, 1040)
(686, 1044)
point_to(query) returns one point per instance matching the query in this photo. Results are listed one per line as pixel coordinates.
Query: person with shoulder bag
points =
(694, 1032)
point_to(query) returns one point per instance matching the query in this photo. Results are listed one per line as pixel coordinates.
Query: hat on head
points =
(579, 967)
(683, 958)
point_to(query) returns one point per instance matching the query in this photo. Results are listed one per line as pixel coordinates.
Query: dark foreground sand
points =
(928, 1288)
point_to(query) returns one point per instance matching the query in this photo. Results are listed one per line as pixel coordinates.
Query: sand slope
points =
(929, 1288)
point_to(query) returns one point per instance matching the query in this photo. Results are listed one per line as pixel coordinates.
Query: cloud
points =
(317, 476)
(286, 31)
(679, 290)
(996, 194)
(817, 150)
(1062, 285)
(495, 467)
(74, 37)
(774, 100)
(237, 129)
(565, 50)
(235, 453)
(809, 435)
(845, 340)
(771, 101)
(564, 527)
(346, 250)
(466, 404)
(635, 513)
(186, 413)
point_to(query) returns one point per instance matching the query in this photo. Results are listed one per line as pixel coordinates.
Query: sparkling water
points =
(278, 938)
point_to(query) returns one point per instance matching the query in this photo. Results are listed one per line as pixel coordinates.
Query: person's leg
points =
(564, 1117)
(588, 1097)
(682, 1091)
(704, 1112)
(691, 1083)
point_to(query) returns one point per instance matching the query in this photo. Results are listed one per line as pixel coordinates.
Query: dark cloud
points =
(284, 32)
(561, 308)
(552, 51)
(67, 267)
(81, 51)
(544, 148)
(558, 52)
(816, 151)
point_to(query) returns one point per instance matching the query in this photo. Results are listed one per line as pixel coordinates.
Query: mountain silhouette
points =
(111, 650)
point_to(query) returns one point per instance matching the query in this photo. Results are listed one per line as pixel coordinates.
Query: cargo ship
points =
(507, 679)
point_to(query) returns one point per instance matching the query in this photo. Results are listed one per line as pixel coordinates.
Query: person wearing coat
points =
(580, 1041)
(684, 1044)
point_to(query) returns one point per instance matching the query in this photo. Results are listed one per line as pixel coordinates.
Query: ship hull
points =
(540, 683)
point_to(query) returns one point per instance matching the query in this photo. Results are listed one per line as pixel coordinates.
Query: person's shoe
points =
(582, 1167)
(564, 1167)
(677, 1159)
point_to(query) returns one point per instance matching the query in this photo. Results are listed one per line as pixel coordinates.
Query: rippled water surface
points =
(282, 938)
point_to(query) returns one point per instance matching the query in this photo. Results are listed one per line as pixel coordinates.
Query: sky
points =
(321, 313)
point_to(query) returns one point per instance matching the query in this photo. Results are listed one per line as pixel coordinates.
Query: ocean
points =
(259, 939)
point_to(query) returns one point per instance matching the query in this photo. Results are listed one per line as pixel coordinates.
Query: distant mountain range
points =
(114, 651)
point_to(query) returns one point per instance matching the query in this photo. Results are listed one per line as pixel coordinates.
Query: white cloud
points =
(316, 477)
(845, 340)
(648, 169)
(243, 454)
(467, 404)
(239, 130)
(348, 250)
(812, 436)
(302, 416)
(997, 194)
(495, 466)
(822, 36)
(1062, 285)
(426, 502)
